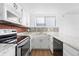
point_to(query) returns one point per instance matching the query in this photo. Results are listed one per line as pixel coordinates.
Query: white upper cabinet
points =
(24, 20)
(32, 21)
(2, 11)
(11, 12)
(14, 8)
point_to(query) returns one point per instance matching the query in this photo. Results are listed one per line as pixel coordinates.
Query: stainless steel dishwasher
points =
(57, 47)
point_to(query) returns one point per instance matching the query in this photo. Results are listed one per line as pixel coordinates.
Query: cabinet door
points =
(12, 51)
(12, 7)
(2, 11)
(19, 9)
(44, 43)
(51, 44)
(8, 52)
(40, 42)
(9, 6)
(35, 43)
(24, 21)
(32, 21)
(4, 53)
(69, 51)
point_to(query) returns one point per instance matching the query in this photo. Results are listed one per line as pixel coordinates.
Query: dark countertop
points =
(19, 38)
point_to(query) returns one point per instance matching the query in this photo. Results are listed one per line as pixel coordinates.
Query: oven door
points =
(24, 50)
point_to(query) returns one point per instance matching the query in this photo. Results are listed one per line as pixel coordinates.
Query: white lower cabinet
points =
(69, 51)
(44, 43)
(8, 52)
(51, 44)
(12, 51)
(35, 43)
(40, 43)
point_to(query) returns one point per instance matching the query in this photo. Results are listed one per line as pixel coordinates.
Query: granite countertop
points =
(69, 40)
(6, 46)
(7, 33)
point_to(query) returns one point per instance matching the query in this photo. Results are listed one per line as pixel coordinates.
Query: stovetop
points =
(19, 38)
(10, 38)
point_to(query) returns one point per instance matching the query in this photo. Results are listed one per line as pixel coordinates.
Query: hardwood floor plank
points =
(41, 52)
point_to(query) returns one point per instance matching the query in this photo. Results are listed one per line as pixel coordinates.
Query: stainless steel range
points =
(8, 36)
(23, 46)
(8, 39)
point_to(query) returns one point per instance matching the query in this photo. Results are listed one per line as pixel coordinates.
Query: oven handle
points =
(20, 46)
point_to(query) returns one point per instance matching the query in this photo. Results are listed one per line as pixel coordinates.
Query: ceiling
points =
(56, 8)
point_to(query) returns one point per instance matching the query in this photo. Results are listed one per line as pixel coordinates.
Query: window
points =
(46, 21)
(40, 21)
(50, 21)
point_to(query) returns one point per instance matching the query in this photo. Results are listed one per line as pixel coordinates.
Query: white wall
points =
(69, 25)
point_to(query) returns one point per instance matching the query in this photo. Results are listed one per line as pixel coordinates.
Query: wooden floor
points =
(40, 52)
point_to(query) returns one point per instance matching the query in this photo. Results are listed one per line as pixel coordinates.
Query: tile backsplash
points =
(34, 29)
(18, 29)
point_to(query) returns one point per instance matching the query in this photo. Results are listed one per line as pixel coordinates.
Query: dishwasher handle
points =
(57, 42)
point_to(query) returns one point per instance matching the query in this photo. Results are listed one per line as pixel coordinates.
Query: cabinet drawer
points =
(65, 53)
(2, 53)
(8, 52)
(70, 50)
(12, 51)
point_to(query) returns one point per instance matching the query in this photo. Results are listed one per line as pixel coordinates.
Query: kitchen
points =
(39, 29)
